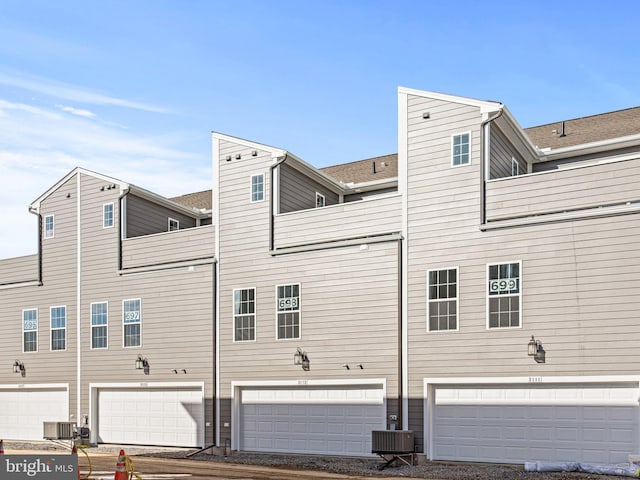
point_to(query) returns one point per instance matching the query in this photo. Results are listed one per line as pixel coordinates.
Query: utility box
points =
(392, 442)
(59, 430)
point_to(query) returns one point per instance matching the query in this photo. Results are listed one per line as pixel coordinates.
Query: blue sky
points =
(132, 89)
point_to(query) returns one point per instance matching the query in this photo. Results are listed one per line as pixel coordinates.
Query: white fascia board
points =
(275, 152)
(36, 203)
(592, 147)
(519, 131)
(372, 185)
(531, 379)
(485, 106)
(311, 171)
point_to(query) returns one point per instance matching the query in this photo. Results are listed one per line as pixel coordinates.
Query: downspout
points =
(484, 156)
(400, 421)
(121, 199)
(36, 211)
(272, 216)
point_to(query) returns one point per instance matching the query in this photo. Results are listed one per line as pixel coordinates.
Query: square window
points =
(320, 200)
(173, 224)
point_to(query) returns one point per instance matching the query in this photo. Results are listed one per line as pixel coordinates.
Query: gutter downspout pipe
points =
(272, 215)
(484, 158)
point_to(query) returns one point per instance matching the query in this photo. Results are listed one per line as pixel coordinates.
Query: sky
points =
(133, 89)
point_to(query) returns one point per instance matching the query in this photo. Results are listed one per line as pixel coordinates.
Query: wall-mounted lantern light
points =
(18, 367)
(142, 364)
(301, 358)
(535, 350)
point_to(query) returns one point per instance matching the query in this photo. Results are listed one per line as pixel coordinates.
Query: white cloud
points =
(77, 111)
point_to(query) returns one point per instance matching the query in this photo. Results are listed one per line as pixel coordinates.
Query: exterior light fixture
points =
(142, 364)
(301, 358)
(535, 350)
(18, 367)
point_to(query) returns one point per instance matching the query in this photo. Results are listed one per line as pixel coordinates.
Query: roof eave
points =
(592, 147)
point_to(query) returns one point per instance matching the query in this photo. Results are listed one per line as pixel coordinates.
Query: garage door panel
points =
(518, 433)
(24, 411)
(317, 423)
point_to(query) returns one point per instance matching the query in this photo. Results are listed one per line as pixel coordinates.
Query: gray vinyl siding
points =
(579, 278)
(579, 160)
(145, 217)
(18, 269)
(501, 155)
(298, 192)
(344, 293)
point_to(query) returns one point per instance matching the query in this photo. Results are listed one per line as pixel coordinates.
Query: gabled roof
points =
(584, 130)
(366, 170)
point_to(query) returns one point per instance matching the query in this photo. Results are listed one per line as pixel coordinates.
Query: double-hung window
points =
(257, 187)
(99, 324)
(244, 314)
(132, 322)
(288, 311)
(461, 149)
(107, 215)
(58, 328)
(30, 330)
(48, 226)
(504, 292)
(442, 303)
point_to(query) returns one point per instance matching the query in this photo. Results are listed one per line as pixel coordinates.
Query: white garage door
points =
(25, 410)
(589, 423)
(311, 420)
(153, 416)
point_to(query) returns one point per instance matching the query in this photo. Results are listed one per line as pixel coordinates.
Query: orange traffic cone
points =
(121, 470)
(1, 447)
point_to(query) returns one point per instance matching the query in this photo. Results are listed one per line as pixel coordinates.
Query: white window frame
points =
(298, 310)
(176, 222)
(24, 310)
(453, 165)
(49, 233)
(139, 322)
(51, 329)
(456, 299)
(519, 294)
(321, 201)
(515, 167)
(254, 314)
(112, 216)
(106, 325)
(251, 192)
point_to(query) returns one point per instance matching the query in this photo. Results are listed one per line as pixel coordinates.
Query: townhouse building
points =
(479, 288)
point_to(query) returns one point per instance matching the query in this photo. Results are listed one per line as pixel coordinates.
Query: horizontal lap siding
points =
(298, 192)
(567, 189)
(501, 155)
(145, 217)
(347, 294)
(580, 279)
(18, 269)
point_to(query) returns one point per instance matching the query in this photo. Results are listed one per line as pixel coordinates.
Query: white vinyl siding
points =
(58, 316)
(107, 215)
(99, 325)
(288, 311)
(49, 226)
(244, 314)
(461, 149)
(132, 322)
(257, 187)
(442, 303)
(504, 288)
(30, 330)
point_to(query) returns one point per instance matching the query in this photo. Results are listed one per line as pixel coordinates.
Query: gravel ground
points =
(344, 465)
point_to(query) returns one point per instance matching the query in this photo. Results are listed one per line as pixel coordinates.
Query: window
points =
(99, 316)
(504, 295)
(460, 145)
(288, 311)
(30, 330)
(257, 188)
(107, 215)
(244, 314)
(442, 303)
(58, 328)
(515, 168)
(319, 200)
(131, 323)
(173, 224)
(48, 226)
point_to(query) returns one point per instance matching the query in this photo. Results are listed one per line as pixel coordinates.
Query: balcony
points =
(18, 270)
(568, 190)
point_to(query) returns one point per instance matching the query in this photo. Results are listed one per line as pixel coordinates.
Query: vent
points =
(59, 430)
(392, 441)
